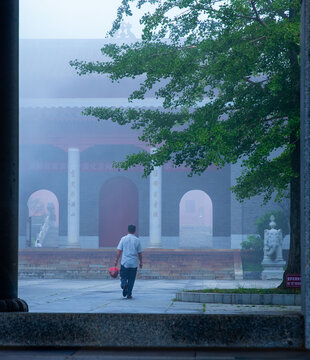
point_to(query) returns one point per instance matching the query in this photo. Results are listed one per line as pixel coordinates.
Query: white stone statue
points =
(48, 235)
(273, 242)
(273, 262)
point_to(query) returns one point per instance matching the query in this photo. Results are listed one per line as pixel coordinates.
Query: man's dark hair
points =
(131, 229)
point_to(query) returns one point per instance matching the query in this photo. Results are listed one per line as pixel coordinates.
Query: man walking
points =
(129, 248)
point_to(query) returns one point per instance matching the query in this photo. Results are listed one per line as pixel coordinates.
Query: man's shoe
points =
(129, 297)
(125, 290)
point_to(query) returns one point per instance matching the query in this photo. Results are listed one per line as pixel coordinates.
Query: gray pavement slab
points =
(149, 296)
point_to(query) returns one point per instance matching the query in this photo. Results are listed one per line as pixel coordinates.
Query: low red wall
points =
(157, 263)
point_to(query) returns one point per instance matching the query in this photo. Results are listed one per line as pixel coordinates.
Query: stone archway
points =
(118, 207)
(196, 220)
(43, 224)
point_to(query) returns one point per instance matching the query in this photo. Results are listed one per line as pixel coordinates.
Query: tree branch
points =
(257, 18)
(246, 17)
(257, 14)
(260, 38)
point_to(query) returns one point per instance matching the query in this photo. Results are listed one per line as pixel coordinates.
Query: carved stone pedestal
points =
(273, 270)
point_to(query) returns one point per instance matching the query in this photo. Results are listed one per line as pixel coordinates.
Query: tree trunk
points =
(293, 263)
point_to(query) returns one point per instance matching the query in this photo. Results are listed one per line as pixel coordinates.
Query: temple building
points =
(70, 193)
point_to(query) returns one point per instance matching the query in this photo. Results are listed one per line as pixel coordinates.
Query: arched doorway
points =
(118, 207)
(43, 221)
(195, 213)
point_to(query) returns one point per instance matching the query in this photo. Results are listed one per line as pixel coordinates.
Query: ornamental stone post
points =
(73, 198)
(155, 206)
(273, 262)
(9, 158)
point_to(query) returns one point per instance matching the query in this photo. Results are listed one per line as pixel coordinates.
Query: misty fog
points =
(74, 206)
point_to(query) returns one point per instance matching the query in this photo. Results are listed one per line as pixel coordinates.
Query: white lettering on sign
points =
(293, 280)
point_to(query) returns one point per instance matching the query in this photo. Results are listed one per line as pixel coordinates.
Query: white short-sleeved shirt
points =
(130, 246)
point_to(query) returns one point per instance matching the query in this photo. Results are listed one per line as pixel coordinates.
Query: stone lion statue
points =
(273, 243)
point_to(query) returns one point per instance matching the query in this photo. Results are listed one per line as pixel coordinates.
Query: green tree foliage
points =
(228, 74)
(253, 242)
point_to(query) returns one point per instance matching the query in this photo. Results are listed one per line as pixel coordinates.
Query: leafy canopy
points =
(228, 74)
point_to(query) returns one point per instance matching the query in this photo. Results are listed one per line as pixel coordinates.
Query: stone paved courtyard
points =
(149, 296)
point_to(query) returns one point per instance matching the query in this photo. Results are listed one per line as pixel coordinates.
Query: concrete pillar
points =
(305, 165)
(73, 198)
(155, 206)
(236, 210)
(9, 157)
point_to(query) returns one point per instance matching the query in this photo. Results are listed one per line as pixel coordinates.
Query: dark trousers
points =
(128, 277)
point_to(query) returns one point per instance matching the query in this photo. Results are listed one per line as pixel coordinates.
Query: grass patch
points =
(248, 291)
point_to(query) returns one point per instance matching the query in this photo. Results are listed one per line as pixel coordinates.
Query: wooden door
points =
(119, 207)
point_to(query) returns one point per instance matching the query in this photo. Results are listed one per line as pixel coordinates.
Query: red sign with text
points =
(293, 280)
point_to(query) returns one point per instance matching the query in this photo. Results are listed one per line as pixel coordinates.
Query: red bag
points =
(113, 271)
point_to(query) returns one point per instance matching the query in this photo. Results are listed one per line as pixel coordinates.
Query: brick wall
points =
(157, 263)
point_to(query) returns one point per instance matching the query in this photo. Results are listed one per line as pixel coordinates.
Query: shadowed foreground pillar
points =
(9, 158)
(305, 165)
